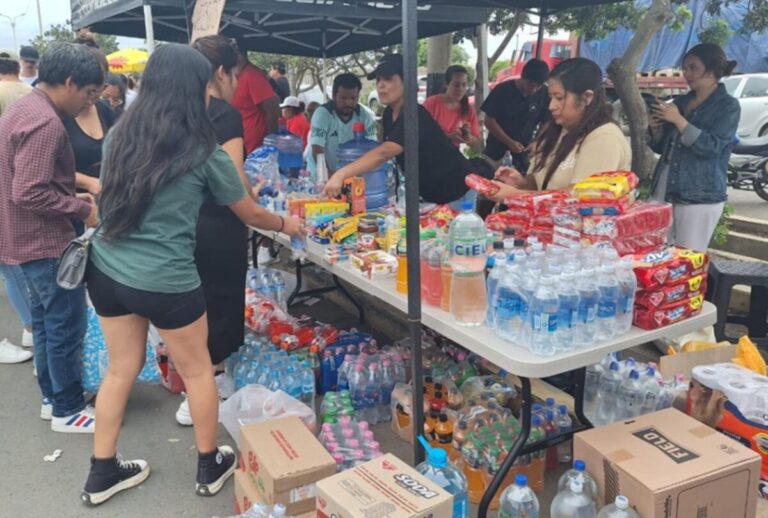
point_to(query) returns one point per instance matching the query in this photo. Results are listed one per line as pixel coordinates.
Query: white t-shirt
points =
(28, 80)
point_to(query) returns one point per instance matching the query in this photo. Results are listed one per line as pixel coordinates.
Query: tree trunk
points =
(518, 21)
(622, 71)
(438, 59)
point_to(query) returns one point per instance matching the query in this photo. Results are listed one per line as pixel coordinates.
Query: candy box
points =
(639, 219)
(668, 266)
(354, 188)
(649, 319)
(665, 295)
(481, 184)
(374, 264)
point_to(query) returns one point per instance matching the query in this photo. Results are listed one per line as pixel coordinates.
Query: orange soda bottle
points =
(473, 470)
(402, 264)
(537, 462)
(460, 432)
(444, 433)
(446, 276)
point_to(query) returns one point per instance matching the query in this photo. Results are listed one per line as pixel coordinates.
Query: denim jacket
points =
(698, 158)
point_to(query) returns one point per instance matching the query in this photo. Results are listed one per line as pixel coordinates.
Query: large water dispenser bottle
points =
(375, 181)
(290, 149)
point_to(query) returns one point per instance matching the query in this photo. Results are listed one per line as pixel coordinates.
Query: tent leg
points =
(149, 28)
(411, 123)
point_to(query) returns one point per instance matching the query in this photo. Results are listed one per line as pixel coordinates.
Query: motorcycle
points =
(751, 173)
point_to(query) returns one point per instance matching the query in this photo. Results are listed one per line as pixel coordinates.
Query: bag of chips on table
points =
(605, 186)
(640, 218)
(481, 184)
(649, 319)
(665, 295)
(668, 266)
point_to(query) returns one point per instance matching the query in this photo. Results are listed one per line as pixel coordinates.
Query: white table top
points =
(481, 340)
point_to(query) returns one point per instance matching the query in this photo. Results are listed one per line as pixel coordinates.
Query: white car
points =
(376, 107)
(752, 92)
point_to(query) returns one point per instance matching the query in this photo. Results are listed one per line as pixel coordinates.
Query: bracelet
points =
(282, 223)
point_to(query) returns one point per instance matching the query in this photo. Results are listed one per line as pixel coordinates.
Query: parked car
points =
(752, 92)
(375, 105)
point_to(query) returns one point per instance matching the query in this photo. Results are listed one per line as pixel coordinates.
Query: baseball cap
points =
(291, 102)
(388, 65)
(28, 53)
(9, 55)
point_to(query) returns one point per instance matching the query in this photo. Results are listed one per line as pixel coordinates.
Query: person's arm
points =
(89, 183)
(704, 142)
(34, 164)
(271, 107)
(234, 148)
(253, 215)
(497, 131)
(365, 164)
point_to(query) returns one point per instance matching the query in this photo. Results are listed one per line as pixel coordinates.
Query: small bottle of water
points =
(568, 316)
(507, 160)
(588, 302)
(508, 320)
(607, 302)
(630, 397)
(627, 287)
(607, 394)
(519, 500)
(544, 308)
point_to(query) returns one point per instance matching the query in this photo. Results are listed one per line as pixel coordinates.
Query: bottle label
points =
(627, 304)
(469, 247)
(507, 305)
(546, 322)
(587, 313)
(606, 308)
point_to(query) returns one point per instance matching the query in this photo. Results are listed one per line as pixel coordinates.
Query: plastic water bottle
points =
(618, 509)
(591, 386)
(307, 385)
(579, 472)
(519, 500)
(447, 476)
(508, 301)
(507, 160)
(372, 393)
(290, 148)
(278, 511)
(544, 309)
(292, 382)
(376, 194)
(573, 503)
(627, 287)
(607, 394)
(278, 287)
(499, 255)
(630, 397)
(588, 302)
(651, 391)
(321, 172)
(401, 194)
(387, 386)
(467, 249)
(568, 316)
(357, 389)
(497, 262)
(607, 303)
(564, 425)
(528, 283)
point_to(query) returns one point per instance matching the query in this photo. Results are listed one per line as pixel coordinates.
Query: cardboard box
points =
(246, 494)
(284, 460)
(384, 487)
(670, 465)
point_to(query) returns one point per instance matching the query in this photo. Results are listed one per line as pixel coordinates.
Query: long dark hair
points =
(449, 73)
(220, 51)
(577, 75)
(164, 135)
(714, 59)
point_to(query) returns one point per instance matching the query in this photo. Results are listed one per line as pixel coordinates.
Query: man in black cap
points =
(281, 86)
(442, 167)
(29, 58)
(513, 112)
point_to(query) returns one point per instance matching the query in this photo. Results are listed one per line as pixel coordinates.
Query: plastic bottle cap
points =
(467, 205)
(536, 421)
(498, 245)
(562, 409)
(579, 465)
(633, 374)
(358, 126)
(550, 401)
(509, 231)
(521, 480)
(550, 415)
(614, 366)
(436, 457)
(622, 502)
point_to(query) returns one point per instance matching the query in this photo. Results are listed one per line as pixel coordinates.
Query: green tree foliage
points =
(459, 56)
(499, 65)
(63, 32)
(718, 32)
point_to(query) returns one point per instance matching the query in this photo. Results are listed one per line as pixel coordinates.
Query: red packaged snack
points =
(481, 184)
(651, 299)
(516, 219)
(640, 218)
(631, 177)
(668, 266)
(607, 207)
(537, 203)
(655, 318)
(567, 216)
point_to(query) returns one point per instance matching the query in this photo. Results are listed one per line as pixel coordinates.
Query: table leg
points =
(358, 306)
(514, 453)
(256, 241)
(578, 397)
(297, 289)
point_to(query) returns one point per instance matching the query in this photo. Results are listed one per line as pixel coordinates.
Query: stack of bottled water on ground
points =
(261, 510)
(258, 361)
(270, 283)
(370, 379)
(616, 390)
(349, 442)
(559, 299)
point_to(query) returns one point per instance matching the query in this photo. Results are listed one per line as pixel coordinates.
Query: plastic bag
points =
(257, 404)
(95, 359)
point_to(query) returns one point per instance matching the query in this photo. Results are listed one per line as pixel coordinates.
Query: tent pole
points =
(542, 18)
(324, 79)
(149, 28)
(411, 123)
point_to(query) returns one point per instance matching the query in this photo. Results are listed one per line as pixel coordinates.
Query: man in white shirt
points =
(29, 58)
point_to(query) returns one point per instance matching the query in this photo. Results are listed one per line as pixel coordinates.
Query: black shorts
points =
(164, 310)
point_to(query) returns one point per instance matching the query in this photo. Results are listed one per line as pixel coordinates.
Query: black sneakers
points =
(213, 470)
(110, 476)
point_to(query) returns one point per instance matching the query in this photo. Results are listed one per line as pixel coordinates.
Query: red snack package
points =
(655, 318)
(668, 266)
(567, 216)
(481, 184)
(537, 202)
(629, 175)
(639, 219)
(607, 207)
(651, 299)
(516, 219)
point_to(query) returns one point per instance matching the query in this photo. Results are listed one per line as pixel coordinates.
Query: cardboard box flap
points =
(287, 450)
(661, 449)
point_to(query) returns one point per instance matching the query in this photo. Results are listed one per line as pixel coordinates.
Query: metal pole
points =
(411, 123)
(39, 19)
(324, 79)
(12, 21)
(149, 28)
(540, 37)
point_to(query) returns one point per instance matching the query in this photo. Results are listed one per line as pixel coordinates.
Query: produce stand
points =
(513, 358)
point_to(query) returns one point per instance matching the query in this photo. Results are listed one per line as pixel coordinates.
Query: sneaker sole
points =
(94, 499)
(214, 487)
(184, 421)
(46, 416)
(70, 429)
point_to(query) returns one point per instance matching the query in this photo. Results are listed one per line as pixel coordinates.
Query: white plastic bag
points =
(257, 404)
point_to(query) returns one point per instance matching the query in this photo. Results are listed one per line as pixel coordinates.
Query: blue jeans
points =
(18, 294)
(58, 326)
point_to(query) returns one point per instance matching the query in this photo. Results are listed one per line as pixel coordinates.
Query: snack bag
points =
(649, 319)
(536, 203)
(481, 184)
(666, 295)
(607, 207)
(637, 220)
(668, 266)
(605, 186)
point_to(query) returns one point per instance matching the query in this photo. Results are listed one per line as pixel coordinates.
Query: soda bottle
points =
(568, 315)
(444, 433)
(564, 424)
(473, 469)
(460, 432)
(579, 472)
(607, 302)
(572, 502)
(629, 400)
(467, 247)
(357, 389)
(588, 302)
(607, 394)
(536, 462)
(402, 264)
(430, 421)
(618, 509)
(544, 308)
(447, 476)
(373, 393)
(434, 274)
(446, 278)
(519, 500)
(627, 287)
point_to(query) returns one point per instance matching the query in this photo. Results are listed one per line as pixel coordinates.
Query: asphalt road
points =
(748, 204)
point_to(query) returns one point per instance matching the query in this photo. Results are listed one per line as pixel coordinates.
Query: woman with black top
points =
(114, 93)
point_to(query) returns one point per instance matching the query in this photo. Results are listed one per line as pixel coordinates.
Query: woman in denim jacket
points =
(694, 135)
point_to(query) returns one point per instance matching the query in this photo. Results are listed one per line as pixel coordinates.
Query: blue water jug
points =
(290, 157)
(375, 181)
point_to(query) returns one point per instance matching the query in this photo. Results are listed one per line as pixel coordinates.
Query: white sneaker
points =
(46, 410)
(27, 339)
(83, 421)
(264, 257)
(183, 417)
(10, 353)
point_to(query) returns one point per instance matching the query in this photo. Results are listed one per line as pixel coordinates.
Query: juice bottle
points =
(444, 433)
(402, 264)
(433, 279)
(446, 276)
(460, 432)
(429, 427)
(473, 471)
(536, 464)
(551, 429)
(493, 463)
(468, 250)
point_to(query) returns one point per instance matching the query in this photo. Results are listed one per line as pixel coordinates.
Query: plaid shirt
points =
(37, 182)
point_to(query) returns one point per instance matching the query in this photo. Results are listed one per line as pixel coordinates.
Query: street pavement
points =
(748, 204)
